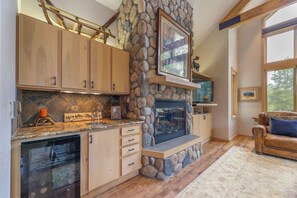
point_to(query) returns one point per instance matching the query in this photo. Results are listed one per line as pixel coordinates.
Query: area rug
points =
(242, 173)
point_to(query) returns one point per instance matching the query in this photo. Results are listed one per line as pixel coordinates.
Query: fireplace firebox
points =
(170, 120)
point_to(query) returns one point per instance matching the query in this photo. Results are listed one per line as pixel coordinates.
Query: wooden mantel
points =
(174, 82)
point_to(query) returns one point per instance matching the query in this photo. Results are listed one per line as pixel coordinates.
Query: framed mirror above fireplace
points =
(170, 120)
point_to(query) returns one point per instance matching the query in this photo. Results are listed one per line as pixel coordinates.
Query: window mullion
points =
(295, 98)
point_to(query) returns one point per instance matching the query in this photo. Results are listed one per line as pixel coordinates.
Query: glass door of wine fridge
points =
(51, 168)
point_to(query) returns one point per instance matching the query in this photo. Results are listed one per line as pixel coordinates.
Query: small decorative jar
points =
(43, 112)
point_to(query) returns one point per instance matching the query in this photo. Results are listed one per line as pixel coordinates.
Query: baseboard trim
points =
(219, 139)
(236, 134)
(101, 189)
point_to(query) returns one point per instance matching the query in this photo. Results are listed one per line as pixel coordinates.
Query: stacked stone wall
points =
(162, 169)
(137, 27)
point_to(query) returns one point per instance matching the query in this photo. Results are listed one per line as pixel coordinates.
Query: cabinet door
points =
(38, 54)
(208, 124)
(199, 126)
(104, 157)
(74, 61)
(100, 67)
(120, 71)
(196, 125)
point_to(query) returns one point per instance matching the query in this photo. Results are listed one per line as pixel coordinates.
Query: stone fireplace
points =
(137, 33)
(170, 120)
(137, 27)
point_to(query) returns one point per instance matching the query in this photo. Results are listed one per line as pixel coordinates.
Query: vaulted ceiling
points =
(207, 14)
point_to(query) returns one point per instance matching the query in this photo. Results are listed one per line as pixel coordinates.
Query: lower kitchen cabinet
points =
(104, 153)
(108, 157)
(113, 156)
(130, 147)
(202, 125)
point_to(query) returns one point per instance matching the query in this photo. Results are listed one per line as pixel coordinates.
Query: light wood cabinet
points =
(202, 126)
(38, 63)
(100, 66)
(75, 61)
(104, 155)
(120, 71)
(130, 164)
(53, 59)
(131, 147)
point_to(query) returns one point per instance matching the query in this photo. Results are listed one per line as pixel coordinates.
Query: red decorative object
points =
(43, 112)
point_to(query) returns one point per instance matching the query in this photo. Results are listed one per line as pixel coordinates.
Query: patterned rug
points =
(241, 173)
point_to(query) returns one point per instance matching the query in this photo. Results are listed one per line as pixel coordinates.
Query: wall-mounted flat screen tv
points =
(205, 93)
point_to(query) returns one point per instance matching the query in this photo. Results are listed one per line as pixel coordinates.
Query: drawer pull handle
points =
(131, 140)
(131, 164)
(55, 80)
(91, 139)
(131, 130)
(132, 149)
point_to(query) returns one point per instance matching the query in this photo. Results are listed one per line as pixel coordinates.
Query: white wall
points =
(8, 10)
(232, 63)
(213, 53)
(249, 71)
(88, 9)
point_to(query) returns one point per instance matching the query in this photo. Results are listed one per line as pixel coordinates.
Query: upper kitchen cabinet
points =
(75, 61)
(38, 65)
(120, 71)
(100, 74)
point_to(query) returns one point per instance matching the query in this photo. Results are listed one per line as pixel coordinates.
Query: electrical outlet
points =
(17, 108)
(10, 109)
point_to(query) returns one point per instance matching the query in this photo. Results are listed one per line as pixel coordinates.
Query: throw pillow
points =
(283, 127)
(279, 118)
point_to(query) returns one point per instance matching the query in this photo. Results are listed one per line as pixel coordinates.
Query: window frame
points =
(277, 65)
(234, 88)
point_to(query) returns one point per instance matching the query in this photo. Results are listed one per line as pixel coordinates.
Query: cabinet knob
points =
(204, 117)
(131, 164)
(113, 86)
(85, 84)
(92, 84)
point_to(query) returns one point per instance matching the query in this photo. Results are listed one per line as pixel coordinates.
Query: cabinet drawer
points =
(130, 164)
(130, 140)
(130, 130)
(130, 149)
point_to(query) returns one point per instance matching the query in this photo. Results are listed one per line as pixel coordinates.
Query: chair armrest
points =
(260, 133)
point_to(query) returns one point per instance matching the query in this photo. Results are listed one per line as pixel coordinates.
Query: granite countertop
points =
(69, 127)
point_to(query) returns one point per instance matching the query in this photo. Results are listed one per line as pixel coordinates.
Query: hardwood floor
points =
(144, 187)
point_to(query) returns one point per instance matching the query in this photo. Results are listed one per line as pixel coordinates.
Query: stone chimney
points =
(137, 29)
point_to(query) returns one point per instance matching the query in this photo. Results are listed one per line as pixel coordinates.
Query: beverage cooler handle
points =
(91, 139)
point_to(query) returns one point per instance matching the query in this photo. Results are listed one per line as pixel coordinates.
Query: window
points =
(280, 46)
(280, 52)
(234, 93)
(282, 15)
(280, 90)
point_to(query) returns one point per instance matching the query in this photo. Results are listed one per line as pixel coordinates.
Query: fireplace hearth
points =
(170, 120)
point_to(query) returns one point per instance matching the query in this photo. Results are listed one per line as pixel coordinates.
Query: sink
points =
(98, 125)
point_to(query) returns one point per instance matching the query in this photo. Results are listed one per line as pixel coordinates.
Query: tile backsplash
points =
(60, 103)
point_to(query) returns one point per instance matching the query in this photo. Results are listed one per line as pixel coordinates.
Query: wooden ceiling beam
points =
(255, 12)
(111, 20)
(236, 10)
